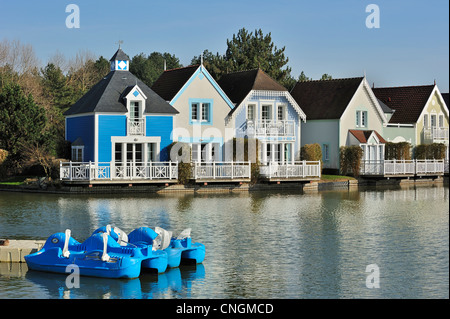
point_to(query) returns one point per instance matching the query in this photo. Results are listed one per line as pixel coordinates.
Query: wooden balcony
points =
(296, 171)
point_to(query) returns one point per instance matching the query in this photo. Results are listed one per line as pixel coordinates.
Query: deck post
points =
(214, 170)
(70, 170)
(170, 169)
(249, 169)
(232, 170)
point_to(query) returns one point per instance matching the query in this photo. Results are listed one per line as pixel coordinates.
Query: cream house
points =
(341, 112)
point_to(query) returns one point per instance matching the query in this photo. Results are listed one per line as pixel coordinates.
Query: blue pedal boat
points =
(190, 251)
(97, 256)
(140, 238)
(159, 241)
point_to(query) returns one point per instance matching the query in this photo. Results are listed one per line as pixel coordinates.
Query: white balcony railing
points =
(402, 167)
(260, 128)
(89, 171)
(435, 133)
(302, 169)
(136, 126)
(221, 170)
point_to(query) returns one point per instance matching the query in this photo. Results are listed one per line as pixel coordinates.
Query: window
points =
(441, 120)
(118, 153)
(201, 111)
(77, 153)
(361, 118)
(194, 109)
(433, 120)
(425, 120)
(364, 119)
(326, 152)
(134, 111)
(280, 112)
(151, 152)
(205, 112)
(265, 114)
(251, 112)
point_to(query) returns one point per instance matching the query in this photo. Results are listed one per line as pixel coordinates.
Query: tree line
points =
(33, 98)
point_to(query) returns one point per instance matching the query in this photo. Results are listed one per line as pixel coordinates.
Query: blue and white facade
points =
(273, 118)
(120, 123)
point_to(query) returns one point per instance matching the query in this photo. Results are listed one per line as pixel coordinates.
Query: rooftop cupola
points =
(120, 61)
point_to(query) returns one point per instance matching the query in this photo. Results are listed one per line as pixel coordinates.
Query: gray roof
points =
(107, 96)
(119, 55)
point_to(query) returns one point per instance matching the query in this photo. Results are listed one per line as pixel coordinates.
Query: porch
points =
(295, 171)
(403, 168)
(108, 172)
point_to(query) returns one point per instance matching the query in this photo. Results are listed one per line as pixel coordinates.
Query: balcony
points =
(266, 128)
(136, 126)
(435, 134)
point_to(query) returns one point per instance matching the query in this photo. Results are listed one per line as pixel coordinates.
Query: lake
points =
(283, 244)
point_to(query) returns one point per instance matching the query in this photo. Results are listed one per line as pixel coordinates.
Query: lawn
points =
(335, 178)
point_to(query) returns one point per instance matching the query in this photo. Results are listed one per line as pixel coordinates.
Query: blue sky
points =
(411, 47)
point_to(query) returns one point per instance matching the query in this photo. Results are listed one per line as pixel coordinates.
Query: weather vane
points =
(119, 42)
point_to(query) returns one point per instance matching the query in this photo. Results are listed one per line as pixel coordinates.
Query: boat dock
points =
(13, 251)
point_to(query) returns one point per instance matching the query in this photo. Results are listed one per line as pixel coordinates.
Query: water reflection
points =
(282, 244)
(174, 283)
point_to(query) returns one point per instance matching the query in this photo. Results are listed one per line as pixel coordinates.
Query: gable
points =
(199, 81)
(365, 101)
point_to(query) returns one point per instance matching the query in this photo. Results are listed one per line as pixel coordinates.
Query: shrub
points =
(397, 151)
(350, 159)
(430, 151)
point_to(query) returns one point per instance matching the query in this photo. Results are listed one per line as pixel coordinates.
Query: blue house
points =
(120, 122)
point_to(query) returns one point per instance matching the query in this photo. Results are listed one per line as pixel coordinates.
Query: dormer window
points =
(135, 110)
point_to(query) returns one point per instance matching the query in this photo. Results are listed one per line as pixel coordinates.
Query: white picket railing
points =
(261, 128)
(302, 169)
(402, 167)
(88, 171)
(221, 170)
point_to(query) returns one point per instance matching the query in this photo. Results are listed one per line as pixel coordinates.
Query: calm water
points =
(258, 245)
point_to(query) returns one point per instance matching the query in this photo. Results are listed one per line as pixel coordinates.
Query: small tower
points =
(120, 61)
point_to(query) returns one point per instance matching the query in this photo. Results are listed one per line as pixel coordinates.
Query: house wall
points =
(361, 101)
(258, 100)
(161, 126)
(83, 127)
(323, 132)
(108, 126)
(200, 89)
(398, 134)
(435, 106)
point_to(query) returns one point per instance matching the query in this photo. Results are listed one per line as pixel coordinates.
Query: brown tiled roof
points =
(237, 85)
(407, 101)
(171, 81)
(363, 135)
(325, 99)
